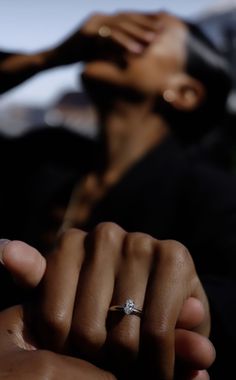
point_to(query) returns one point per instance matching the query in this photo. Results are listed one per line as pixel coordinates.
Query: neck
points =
(130, 131)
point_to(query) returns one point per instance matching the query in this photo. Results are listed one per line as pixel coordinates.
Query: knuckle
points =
(57, 322)
(88, 337)
(96, 16)
(174, 252)
(126, 342)
(156, 337)
(69, 236)
(138, 245)
(107, 231)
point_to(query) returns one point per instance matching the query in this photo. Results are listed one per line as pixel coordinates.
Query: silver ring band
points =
(128, 308)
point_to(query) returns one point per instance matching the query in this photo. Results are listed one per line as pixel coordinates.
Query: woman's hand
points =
(88, 273)
(106, 36)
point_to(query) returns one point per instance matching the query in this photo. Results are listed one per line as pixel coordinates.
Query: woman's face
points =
(151, 72)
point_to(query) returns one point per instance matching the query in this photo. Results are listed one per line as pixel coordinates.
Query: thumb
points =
(25, 263)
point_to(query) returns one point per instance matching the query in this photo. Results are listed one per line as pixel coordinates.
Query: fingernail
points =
(136, 48)
(3, 243)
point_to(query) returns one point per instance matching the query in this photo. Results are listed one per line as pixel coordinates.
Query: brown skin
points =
(130, 31)
(153, 48)
(151, 71)
(88, 272)
(160, 65)
(20, 356)
(133, 128)
(20, 360)
(63, 295)
(133, 138)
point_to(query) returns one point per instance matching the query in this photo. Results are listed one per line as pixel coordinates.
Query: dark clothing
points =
(168, 194)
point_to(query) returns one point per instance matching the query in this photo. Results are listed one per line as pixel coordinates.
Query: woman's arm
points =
(85, 43)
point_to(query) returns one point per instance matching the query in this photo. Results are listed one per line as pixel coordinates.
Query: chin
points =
(105, 93)
(100, 91)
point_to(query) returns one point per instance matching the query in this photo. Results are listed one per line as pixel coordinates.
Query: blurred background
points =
(56, 97)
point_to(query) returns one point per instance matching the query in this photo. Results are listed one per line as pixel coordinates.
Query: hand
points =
(26, 265)
(104, 35)
(21, 360)
(89, 272)
(20, 357)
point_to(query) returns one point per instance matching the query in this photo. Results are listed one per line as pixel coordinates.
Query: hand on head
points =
(127, 31)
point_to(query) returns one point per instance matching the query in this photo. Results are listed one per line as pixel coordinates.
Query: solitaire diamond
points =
(129, 306)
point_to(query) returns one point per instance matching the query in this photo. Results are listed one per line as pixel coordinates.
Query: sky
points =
(30, 25)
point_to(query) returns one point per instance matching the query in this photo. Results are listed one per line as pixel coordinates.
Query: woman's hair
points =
(208, 65)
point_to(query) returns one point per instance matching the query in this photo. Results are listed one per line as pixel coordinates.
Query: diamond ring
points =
(127, 308)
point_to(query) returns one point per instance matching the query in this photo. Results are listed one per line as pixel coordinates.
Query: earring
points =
(169, 96)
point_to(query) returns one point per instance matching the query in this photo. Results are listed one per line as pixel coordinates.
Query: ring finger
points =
(122, 345)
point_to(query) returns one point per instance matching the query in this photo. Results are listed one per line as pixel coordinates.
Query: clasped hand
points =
(85, 275)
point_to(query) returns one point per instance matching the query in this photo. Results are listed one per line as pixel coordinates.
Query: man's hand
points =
(26, 265)
(20, 357)
(21, 360)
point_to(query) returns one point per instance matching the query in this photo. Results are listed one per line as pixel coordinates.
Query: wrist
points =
(47, 59)
(74, 49)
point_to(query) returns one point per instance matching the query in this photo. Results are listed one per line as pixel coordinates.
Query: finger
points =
(149, 22)
(193, 349)
(195, 375)
(198, 375)
(136, 32)
(199, 293)
(25, 263)
(126, 41)
(165, 295)
(53, 309)
(191, 315)
(124, 330)
(95, 289)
